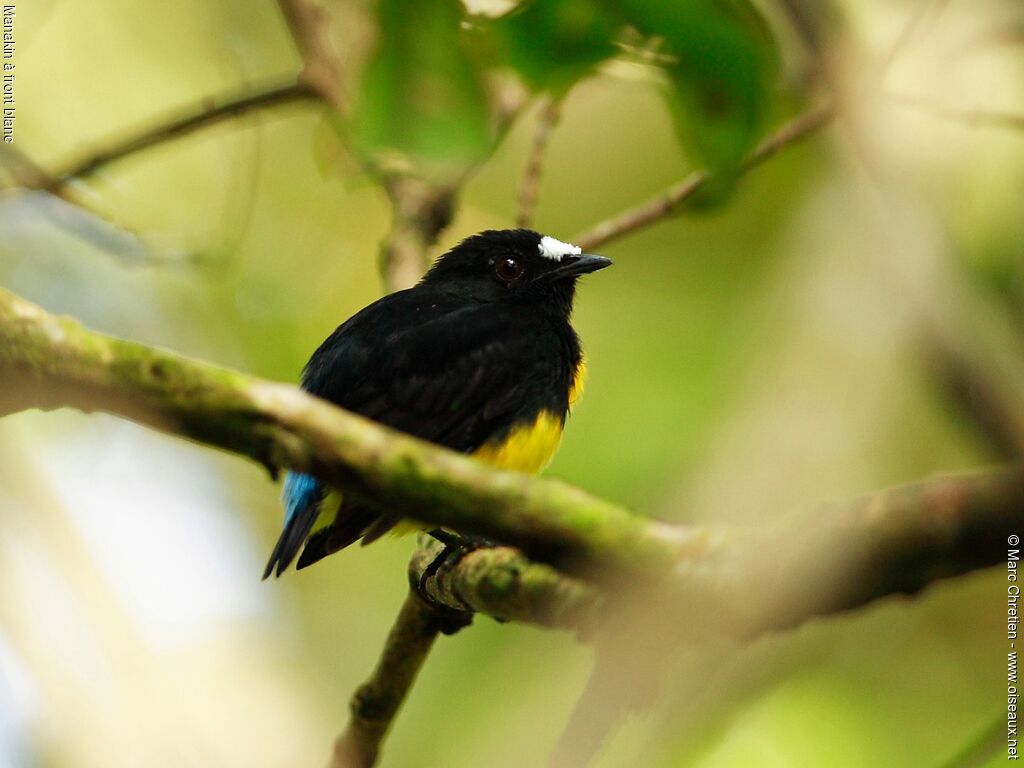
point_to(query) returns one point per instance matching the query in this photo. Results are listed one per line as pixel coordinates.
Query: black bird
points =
(478, 357)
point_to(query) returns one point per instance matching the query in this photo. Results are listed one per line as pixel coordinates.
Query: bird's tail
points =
(302, 497)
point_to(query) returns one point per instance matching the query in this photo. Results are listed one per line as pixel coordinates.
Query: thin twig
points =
(498, 581)
(183, 122)
(988, 118)
(922, 11)
(22, 169)
(529, 188)
(422, 209)
(321, 70)
(420, 212)
(374, 705)
(671, 199)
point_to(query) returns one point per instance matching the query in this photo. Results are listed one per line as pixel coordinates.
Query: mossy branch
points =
(744, 584)
(503, 583)
(842, 557)
(893, 542)
(48, 362)
(376, 702)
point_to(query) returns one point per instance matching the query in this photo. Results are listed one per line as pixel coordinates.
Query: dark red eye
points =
(508, 269)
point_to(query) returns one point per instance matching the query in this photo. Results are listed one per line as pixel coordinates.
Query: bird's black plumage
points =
(479, 348)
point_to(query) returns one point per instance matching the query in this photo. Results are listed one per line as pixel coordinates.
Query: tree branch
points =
(374, 705)
(894, 542)
(48, 362)
(842, 557)
(321, 71)
(212, 110)
(971, 117)
(671, 199)
(421, 208)
(420, 212)
(501, 582)
(498, 581)
(529, 187)
(838, 559)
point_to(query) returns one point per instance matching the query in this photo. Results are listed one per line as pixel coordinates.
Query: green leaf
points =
(724, 65)
(421, 94)
(554, 43)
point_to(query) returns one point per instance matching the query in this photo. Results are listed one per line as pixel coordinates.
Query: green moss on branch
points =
(376, 702)
(49, 362)
(503, 583)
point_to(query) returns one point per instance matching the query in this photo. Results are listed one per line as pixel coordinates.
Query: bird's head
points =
(514, 265)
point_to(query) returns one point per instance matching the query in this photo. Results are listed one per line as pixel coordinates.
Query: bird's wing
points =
(441, 370)
(436, 368)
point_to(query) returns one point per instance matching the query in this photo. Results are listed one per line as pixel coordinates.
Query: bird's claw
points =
(456, 547)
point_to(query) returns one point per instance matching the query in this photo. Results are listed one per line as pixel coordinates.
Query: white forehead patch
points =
(553, 249)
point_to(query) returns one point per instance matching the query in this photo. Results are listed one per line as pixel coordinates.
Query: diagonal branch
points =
(971, 117)
(671, 199)
(376, 702)
(22, 169)
(897, 541)
(838, 559)
(321, 71)
(49, 362)
(183, 122)
(529, 187)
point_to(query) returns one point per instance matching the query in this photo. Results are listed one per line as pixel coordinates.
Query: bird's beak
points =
(573, 266)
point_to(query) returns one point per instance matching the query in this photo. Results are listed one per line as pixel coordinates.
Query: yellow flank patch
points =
(527, 448)
(329, 509)
(578, 380)
(404, 526)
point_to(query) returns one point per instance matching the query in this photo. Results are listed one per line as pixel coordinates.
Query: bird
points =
(479, 357)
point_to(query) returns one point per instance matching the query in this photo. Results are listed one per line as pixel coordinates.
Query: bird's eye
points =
(508, 269)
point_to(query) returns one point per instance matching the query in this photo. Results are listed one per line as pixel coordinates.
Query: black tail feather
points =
(379, 527)
(351, 523)
(290, 541)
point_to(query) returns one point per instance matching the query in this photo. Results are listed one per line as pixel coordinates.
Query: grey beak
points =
(572, 266)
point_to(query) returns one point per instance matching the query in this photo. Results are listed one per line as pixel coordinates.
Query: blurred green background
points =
(747, 361)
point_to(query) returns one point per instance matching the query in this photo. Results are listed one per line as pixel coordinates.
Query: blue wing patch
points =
(299, 492)
(301, 496)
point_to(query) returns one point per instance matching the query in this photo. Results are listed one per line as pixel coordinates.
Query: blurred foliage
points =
(745, 363)
(421, 93)
(722, 74)
(554, 44)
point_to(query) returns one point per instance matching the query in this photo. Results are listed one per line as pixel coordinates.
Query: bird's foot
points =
(456, 547)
